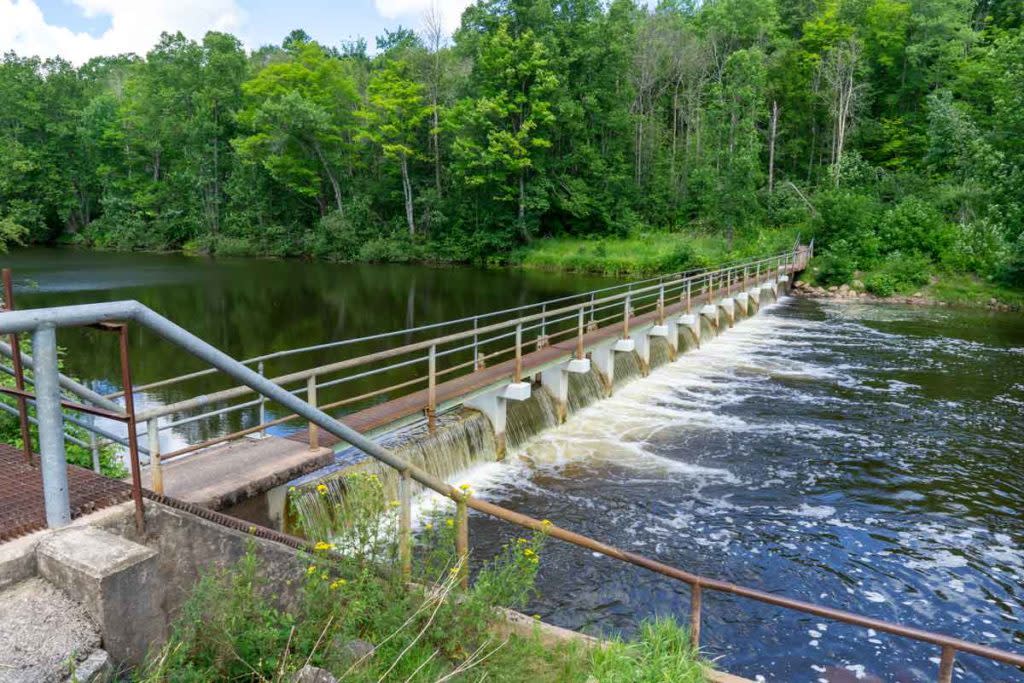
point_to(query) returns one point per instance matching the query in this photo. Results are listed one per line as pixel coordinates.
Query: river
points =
(863, 457)
(860, 456)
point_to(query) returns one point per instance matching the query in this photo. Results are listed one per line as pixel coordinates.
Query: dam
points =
(543, 455)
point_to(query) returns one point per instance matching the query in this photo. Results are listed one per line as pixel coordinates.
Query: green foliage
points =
(881, 284)
(662, 653)
(890, 125)
(836, 266)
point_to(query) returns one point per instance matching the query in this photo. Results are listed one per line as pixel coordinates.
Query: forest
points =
(890, 130)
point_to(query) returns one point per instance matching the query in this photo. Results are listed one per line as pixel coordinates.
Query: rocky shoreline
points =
(846, 293)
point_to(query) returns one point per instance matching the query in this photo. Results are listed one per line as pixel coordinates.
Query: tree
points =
(299, 115)
(393, 118)
(504, 128)
(840, 72)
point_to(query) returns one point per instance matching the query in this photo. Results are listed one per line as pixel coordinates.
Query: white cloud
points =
(450, 10)
(135, 26)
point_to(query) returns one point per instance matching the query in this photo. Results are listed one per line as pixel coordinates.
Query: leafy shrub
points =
(913, 225)
(908, 270)
(978, 247)
(836, 266)
(881, 284)
(1012, 272)
(848, 216)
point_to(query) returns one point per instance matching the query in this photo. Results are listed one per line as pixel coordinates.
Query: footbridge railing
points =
(43, 324)
(412, 364)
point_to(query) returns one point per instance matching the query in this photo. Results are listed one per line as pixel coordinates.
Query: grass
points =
(236, 626)
(970, 290)
(646, 253)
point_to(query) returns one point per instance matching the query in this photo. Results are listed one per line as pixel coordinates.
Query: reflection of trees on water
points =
(249, 307)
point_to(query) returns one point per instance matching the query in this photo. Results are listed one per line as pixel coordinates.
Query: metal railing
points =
(42, 323)
(469, 345)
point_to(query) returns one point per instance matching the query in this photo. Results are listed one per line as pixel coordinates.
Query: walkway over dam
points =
(484, 363)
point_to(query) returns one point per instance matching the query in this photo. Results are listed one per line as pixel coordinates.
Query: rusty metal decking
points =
(21, 493)
(389, 412)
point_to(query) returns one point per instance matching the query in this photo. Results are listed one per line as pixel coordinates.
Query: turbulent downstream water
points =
(862, 457)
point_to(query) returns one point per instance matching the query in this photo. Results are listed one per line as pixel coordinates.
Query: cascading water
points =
(462, 439)
(526, 419)
(585, 389)
(661, 352)
(627, 368)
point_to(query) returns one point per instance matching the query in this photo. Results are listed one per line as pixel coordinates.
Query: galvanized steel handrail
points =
(44, 321)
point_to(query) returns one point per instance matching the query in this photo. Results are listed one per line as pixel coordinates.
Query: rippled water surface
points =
(863, 457)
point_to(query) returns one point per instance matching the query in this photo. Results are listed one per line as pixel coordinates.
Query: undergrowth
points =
(349, 611)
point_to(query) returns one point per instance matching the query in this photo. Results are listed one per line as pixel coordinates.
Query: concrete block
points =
(117, 583)
(709, 311)
(688, 320)
(755, 295)
(578, 366)
(658, 331)
(783, 278)
(603, 359)
(517, 391)
(625, 346)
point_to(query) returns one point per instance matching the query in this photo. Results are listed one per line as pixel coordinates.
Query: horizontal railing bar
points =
(70, 405)
(67, 437)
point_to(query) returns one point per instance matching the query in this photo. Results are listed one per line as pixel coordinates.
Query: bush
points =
(978, 247)
(881, 284)
(836, 266)
(850, 217)
(916, 226)
(1012, 272)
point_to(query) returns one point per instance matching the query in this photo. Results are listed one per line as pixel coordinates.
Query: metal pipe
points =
(66, 383)
(946, 664)
(19, 372)
(133, 436)
(156, 471)
(695, 600)
(314, 434)
(518, 374)
(51, 428)
(263, 403)
(462, 539)
(405, 524)
(432, 390)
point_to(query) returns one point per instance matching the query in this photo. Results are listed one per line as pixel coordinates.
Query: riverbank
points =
(960, 290)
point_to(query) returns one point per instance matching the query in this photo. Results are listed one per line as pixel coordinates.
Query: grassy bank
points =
(649, 253)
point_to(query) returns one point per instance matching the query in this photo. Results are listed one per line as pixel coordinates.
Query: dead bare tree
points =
(434, 39)
(839, 71)
(773, 127)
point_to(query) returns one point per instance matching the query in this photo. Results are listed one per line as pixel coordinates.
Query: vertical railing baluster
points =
(133, 435)
(695, 600)
(518, 374)
(314, 431)
(462, 539)
(50, 420)
(625, 316)
(477, 365)
(661, 305)
(155, 469)
(405, 524)
(688, 296)
(946, 664)
(19, 372)
(579, 335)
(543, 320)
(263, 405)
(94, 448)
(593, 308)
(432, 389)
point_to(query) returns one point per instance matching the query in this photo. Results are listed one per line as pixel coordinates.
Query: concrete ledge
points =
(516, 391)
(115, 580)
(625, 346)
(578, 366)
(658, 331)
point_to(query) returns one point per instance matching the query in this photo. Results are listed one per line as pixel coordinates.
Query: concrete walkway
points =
(224, 475)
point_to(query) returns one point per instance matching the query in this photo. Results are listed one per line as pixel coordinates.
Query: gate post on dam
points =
(493, 405)
(555, 381)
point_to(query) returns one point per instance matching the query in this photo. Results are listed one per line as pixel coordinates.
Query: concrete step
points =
(44, 634)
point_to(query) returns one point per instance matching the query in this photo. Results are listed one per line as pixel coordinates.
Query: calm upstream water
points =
(250, 307)
(864, 457)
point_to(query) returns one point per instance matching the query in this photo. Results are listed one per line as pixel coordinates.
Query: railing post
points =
(579, 336)
(51, 428)
(695, 599)
(477, 365)
(133, 433)
(155, 469)
(19, 371)
(432, 389)
(946, 664)
(625, 317)
(405, 524)
(544, 319)
(593, 308)
(94, 448)
(462, 539)
(314, 431)
(263, 404)
(688, 306)
(518, 374)
(661, 305)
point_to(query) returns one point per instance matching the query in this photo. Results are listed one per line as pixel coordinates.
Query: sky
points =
(80, 29)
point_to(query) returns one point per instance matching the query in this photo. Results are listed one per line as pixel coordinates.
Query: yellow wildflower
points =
(323, 546)
(338, 583)
(449, 522)
(311, 570)
(521, 541)
(324, 576)
(321, 489)
(393, 503)
(428, 526)
(529, 552)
